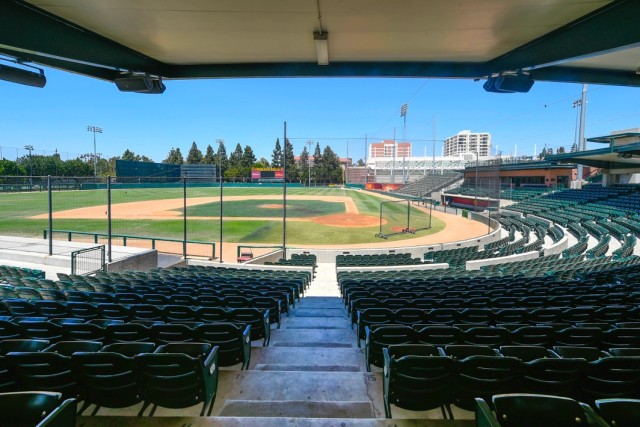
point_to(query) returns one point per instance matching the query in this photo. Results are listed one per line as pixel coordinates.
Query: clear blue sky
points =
(331, 111)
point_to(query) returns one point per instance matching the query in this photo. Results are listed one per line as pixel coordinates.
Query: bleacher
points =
(429, 184)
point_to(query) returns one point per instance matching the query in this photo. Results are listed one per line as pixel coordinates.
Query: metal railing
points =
(87, 261)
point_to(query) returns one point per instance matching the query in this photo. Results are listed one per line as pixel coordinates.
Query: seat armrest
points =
(63, 416)
(246, 346)
(484, 415)
(367, 347)
(267, 328)
(386, 373)
(593, 417)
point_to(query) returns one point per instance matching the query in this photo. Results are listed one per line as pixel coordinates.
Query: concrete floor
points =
(311, 375)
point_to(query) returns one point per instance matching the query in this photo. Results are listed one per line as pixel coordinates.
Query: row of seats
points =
(482, 316)
(141, 313)
(420, 377)
(57, 308)
(57, 290)
(427, 300)
(233, 339)
(376, 260)
(378, 337)
(175, 375)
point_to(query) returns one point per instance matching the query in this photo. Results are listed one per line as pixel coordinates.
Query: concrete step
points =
(339, 336)
(306, 368)
(320, 302)
(318, 312)
(295, 322)
(311, 356)
(195, 421)
(296, 386)
(304, 409)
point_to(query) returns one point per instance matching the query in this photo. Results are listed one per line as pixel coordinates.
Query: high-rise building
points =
(465, 142)
(386, 148)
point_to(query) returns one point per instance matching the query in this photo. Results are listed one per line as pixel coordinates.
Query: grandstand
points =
(429, 184)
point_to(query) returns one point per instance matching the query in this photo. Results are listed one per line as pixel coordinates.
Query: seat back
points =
(484, 377)
(42, 371)
(619, 412)
(106, 379)
(28, 408)
(419, 383)
(523, 410)
(558, 377)
(175, 380)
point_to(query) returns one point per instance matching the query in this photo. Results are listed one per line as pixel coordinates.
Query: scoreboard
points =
(267, 174)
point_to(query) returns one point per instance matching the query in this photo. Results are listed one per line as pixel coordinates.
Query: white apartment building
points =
(465, 142)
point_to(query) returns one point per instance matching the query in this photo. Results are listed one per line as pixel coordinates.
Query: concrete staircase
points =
(311, 375)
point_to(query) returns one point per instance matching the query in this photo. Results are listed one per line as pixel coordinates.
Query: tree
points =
(209, 156)
(560, 150)
(304, 166)
(262, 163)
(316, 169)
(360, 163)
(195, 155)
(174, 157)
(574, 147)
(129, 155)
(332, 172)
(292, 168)
(248, 158)
(276, 157)
(235, 159)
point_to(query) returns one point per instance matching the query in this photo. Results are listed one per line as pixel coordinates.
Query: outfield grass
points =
(17, 208)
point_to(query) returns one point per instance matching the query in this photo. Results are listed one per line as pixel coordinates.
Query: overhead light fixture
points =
(22, 76)
(321, 40)
(142, 83)
(509, 83)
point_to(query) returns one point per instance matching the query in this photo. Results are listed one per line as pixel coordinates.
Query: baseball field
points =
(316, 217)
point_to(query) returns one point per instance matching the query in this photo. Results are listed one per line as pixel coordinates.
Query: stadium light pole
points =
(30, 149)
(94, 129)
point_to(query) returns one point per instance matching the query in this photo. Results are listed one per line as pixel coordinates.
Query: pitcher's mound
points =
(348, 220)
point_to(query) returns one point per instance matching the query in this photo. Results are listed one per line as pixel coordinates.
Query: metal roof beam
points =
(612, 27)
(28, 32)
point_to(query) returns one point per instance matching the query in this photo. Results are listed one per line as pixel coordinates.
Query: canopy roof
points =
(592, 41)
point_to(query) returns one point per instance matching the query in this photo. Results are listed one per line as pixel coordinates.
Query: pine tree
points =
(292, 168)
(174, 157)
(317, 169)
(195, 155)
(129, 156)
(276, 157)
(209, 156)
(304, 166)
(574, 147)
(235, 159)
(560, 150)
(331, 166)
(248, 158)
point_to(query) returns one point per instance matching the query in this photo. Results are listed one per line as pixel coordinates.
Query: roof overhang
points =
(622, 159)
(594, 41)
